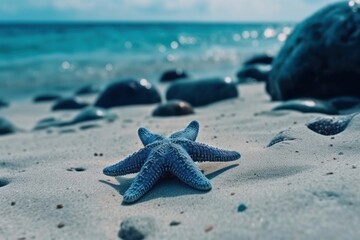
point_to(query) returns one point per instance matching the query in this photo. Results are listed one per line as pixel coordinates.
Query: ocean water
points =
(63, 56)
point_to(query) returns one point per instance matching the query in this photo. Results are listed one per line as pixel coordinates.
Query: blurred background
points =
(60, 45)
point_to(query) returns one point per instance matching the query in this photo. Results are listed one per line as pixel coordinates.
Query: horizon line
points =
(24, 22)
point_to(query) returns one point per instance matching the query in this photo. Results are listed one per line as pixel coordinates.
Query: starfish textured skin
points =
(175, 154)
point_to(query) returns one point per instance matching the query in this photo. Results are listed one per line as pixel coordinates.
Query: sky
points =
(159, 10)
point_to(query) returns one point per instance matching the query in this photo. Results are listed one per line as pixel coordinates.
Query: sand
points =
(306, 188)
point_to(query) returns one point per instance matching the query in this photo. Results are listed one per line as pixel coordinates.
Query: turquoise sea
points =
(38, 57)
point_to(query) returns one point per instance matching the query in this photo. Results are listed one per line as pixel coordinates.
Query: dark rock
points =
(68, 104)
(128, 92)
(259, 59)
(88, 89)
(253, 72)
(307, 106)
(3, 183)
(342, 103)
(3, 103)
(321, 57)
(47, 97)
(329, 125)
(89, 126)
(6, 127)
(173, 108)
(242, 208)
(137, 228)
(93, 113)
(281, 137)
(46, 123)
(87, 114)
(172, 75)
(174, 223)
(203, 92)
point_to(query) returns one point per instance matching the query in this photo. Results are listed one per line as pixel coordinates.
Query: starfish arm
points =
(200, 152)
(131, 164)
(190, 132)
(147, 177)
(148, 137)
(183, 167)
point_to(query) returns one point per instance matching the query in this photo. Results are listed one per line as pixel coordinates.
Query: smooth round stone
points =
(93, 113)
(329, 125)
(3, 103)
(6, 127)
(342, 103)
(128, 92)
(203, 92)
(172, 75)
(88, 89)
(307, 106)
(68, 104)
(321, 57)
(47, 97)
(173, 108)
(259, 59)
(253, 72)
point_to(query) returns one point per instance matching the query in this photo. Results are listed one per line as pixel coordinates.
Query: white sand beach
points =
(52, 185)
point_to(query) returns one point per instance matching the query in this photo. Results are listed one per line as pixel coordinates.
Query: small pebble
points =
(60, 225)
(208, 228)
(175, 223)
(242, 208)
(79, 169)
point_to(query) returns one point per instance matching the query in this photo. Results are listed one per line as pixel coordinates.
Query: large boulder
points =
(203, 92)
(321, 57)
(128, 92)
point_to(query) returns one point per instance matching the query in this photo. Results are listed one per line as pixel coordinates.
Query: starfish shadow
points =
(165, 187)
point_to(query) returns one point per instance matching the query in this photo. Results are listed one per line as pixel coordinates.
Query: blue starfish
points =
(175, 154)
